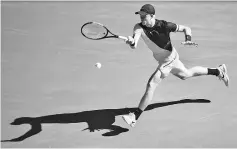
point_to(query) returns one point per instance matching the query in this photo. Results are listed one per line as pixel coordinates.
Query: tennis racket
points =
(97, 31)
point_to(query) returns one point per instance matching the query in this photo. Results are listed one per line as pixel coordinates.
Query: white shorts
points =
(173, 63)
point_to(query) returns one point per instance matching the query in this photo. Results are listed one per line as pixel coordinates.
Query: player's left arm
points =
(187, 32)
(172, 27)
(181, 28)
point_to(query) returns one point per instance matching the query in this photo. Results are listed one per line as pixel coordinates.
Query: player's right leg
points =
(154, 80)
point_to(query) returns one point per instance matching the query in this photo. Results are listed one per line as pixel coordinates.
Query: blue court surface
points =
(52, 95)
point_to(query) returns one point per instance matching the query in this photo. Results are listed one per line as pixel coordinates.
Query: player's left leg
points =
(183, 73)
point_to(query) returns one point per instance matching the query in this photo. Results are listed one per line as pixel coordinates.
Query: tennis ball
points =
(98, 65)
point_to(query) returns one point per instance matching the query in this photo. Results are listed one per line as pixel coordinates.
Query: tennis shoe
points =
(130, 119)
(223, 74)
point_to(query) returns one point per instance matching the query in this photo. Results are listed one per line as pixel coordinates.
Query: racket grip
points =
(123, 38)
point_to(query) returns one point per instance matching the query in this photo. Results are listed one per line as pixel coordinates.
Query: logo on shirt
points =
(151, 32)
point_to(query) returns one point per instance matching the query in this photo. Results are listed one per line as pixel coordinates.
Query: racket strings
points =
(94, 31)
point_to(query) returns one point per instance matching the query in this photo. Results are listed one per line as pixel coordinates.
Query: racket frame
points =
(106, 35)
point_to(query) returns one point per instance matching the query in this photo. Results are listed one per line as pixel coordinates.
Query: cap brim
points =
(141, 12)
(137, 12)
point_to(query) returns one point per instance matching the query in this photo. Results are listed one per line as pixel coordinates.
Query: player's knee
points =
(153, 82)
(185, 76)
(151, 86)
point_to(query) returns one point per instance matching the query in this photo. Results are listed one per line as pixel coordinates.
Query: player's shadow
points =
(96, 119)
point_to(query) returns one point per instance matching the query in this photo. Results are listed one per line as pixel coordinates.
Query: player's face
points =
(146, 19)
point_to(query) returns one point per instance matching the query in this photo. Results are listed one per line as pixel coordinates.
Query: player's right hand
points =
(130, 40)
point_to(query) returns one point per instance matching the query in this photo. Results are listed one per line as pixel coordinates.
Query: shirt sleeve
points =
(169, 26)
(137, 29)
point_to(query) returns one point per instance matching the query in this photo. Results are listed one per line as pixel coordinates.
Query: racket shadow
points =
(96, 120)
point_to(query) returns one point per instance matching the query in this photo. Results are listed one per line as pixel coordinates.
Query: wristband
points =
(187, 38)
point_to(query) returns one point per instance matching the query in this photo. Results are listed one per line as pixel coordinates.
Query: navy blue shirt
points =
(160, 33)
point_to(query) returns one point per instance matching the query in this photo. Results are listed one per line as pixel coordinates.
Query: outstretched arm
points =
(133, 41)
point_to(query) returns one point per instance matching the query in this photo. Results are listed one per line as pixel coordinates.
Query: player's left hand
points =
(189, 43)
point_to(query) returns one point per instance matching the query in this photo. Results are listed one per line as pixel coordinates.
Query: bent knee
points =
(152, 84)
(184, 76)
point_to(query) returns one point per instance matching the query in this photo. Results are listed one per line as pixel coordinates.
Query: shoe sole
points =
(226, 75)
(125, 120)
(132, 125)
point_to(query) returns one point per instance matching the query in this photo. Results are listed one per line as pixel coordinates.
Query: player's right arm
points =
(133, 41)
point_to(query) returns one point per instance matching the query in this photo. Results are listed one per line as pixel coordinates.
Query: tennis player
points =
(156, 35)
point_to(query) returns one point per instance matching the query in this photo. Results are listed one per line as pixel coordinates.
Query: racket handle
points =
(123, 38)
